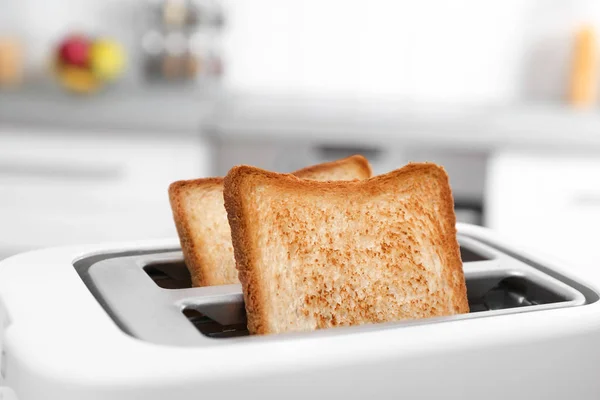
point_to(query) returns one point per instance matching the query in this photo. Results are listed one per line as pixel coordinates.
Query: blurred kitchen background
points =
(103, 103)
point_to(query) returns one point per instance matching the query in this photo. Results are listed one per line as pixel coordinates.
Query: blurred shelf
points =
(380, 122)
(150, 110)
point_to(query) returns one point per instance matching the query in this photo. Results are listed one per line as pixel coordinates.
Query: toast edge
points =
(454, 272)
(199, 276)
(234, 205)
(357, 159)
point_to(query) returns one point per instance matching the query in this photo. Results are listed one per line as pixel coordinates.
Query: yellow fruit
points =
(107, 59)
(79, 80)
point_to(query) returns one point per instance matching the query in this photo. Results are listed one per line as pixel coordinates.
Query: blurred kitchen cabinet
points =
(95, 187)
(467, 170)
(549, 203)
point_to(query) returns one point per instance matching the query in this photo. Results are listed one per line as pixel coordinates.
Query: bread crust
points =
(192, 249)
(363, 168)
(197, 248)
(242, 182)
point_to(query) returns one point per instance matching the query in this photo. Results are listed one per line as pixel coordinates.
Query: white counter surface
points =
(382, 122)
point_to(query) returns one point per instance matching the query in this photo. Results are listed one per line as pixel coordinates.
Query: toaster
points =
(122, 322)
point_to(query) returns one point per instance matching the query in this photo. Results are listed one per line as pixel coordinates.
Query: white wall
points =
(424, 50)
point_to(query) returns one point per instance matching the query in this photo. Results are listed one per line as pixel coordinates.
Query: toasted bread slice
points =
(315, 255)
(202, 226)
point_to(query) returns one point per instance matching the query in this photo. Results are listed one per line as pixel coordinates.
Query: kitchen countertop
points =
(381, 122)
(262, 118)
(116, 110)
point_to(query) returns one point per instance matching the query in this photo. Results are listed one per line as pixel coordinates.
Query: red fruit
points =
(74, 50)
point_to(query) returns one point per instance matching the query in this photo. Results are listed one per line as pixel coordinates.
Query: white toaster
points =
(121, 322)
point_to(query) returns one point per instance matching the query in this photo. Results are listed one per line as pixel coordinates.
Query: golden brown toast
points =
(315, 255)
(202, 226)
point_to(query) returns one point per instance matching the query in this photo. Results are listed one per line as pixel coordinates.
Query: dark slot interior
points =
(468, 255)
(502, 292)
(176, 275)
(169, 275)
(212, 328)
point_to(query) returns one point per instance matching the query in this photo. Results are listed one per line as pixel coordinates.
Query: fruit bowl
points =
(85, 65)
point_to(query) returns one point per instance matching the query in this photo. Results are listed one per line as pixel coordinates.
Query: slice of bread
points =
(202, 226)
(315, 255)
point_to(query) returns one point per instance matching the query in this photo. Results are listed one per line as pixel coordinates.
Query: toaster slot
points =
(500, 292)
(211, 328)
(169, 275)
(469, 255)
(148, 294)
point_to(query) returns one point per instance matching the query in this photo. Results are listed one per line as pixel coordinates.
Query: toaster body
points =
(122, 322)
